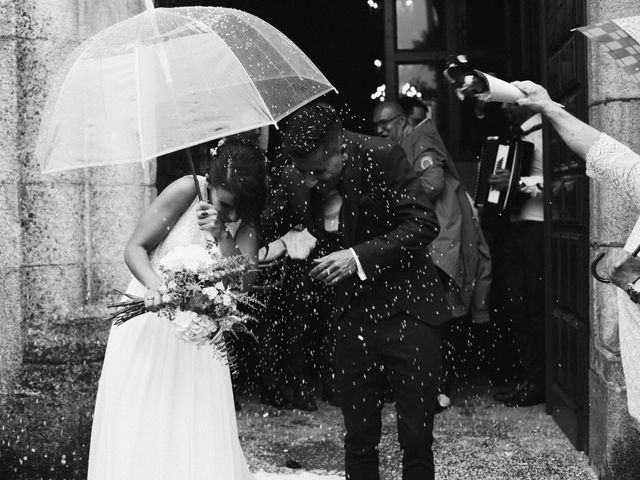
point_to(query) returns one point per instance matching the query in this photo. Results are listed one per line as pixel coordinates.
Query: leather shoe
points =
(531, 395)
(510, 394)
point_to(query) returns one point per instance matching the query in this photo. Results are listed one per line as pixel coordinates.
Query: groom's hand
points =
(334, 268)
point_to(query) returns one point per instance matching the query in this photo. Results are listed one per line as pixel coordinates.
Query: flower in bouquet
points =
(194, 328)
(190, 258)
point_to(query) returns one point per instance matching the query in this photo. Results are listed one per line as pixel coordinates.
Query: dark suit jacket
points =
(386, 218)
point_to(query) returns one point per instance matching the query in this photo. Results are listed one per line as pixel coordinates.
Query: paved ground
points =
(474, 439)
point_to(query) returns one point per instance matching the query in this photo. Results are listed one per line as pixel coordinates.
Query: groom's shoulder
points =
(369, 144)
(374, 151)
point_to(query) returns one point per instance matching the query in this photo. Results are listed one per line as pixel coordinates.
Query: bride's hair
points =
(238, 165)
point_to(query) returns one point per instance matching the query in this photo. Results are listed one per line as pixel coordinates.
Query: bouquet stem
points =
(127, 309)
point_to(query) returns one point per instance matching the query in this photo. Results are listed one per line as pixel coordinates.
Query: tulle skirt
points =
(164, 409)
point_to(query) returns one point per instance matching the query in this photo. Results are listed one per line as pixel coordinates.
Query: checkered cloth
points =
(621, 38)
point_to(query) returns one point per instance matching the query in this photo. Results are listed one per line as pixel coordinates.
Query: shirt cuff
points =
(361, 274)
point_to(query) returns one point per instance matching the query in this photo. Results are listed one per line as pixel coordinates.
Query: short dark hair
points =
(238, 165)
(309, 128)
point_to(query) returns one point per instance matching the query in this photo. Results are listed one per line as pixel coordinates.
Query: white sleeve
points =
(531, 185)
(610, 160)
(361, 274)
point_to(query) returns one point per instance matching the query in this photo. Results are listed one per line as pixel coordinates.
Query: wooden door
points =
(566, 224)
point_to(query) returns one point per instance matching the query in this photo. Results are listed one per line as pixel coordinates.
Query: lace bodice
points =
(184, 232)
(614, 162)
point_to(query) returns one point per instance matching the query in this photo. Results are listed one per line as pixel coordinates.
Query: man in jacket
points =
(360, 198)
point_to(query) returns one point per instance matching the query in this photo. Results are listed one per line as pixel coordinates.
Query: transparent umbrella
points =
(167, 79)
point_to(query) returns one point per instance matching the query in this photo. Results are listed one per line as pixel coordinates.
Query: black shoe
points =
(510, 394)
(276, 400)
(531, 395)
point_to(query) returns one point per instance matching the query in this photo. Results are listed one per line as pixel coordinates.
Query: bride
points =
(164, 408)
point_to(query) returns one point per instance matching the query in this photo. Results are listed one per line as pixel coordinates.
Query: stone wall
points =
(614, 107)
(61, 242)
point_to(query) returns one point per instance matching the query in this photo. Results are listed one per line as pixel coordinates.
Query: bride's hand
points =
(153, 299)
(207, 216)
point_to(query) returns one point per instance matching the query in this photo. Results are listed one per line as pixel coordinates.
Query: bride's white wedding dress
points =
(164, 408)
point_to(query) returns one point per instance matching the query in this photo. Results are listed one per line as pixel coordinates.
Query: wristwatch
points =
(633, 290)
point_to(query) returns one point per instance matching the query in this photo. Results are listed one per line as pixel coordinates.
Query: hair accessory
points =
(214, 151)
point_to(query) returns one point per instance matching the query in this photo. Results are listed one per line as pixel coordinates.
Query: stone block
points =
(125, 174)
(9, 112)
(39, 62)
(104, 278)
(53, 224)
(115, 211)
(10, 326)
(53, 294)
(618, 119)
(607, 365)
(82, 341)
(9, 15)
(612, 215)
(71, 18)
(603, 10)
(605, 317)
(614, 437)
(48, 18)
(95, 16)
(10, 227)
(607, 79)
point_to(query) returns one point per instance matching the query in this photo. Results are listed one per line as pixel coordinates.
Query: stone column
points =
(614, 107)
(10, 222)
(62, 238)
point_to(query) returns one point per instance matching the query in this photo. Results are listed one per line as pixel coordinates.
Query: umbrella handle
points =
(193, 173)
(594, 269)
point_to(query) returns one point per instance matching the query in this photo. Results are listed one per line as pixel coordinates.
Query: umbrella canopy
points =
(170, 78)
(621, 38)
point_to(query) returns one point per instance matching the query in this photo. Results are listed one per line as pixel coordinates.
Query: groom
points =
(361, 199)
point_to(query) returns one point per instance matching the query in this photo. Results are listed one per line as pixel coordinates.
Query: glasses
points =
(384, 123)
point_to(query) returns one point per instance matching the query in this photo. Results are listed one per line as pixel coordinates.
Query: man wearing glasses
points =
(460, 251)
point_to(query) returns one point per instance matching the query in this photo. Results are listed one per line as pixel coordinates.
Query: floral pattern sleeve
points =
(614, 162)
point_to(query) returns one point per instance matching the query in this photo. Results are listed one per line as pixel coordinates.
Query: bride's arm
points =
(153, 226)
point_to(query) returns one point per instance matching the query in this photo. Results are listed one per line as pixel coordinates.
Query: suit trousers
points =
(408, 352)
(523, 276)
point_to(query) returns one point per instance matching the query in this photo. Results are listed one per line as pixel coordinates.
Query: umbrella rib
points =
(138, 95)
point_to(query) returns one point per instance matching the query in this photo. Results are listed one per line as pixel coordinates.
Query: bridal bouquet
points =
(201, 296)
